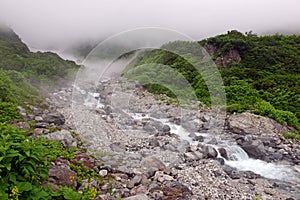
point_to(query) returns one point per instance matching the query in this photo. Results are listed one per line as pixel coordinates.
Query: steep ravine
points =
(135, 132)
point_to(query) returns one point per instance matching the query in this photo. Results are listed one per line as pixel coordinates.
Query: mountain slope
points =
(260, 74)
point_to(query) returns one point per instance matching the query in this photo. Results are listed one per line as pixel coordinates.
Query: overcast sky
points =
(45, 23)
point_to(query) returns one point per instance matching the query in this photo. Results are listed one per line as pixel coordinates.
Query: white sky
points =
(57, 23)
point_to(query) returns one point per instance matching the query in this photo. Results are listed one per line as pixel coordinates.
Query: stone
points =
(38, 118)
(247, 123)
(64, 136)
(63, 176)
(208, 151)
(254, 148)
(56, 118)
(151, 171)
(166, 129)
(193, 156)
(223, 153)
(176, 190)
(22, 125)
(103, 172)
(198, 138)
(88, 183)
(153, 186)
(138, 197)
(152, 161)
(134, 182)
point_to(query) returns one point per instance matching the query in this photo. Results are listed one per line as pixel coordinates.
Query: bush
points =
(22, 165)
(266, 109)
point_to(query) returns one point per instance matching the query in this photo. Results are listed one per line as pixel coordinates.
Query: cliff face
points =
(231, 58)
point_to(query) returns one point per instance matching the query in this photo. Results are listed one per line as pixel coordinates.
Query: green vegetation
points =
(264, 79)
(24, 160)
(40, 68)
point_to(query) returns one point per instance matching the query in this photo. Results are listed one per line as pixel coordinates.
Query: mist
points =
(56, 24)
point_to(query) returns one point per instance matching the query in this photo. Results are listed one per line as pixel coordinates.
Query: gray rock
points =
(64, 136)
(198, 138)
(55, 118)
(151, 171)
(38, 119)
(152, 161)
(193, 156)
(208, 151)
(166, 129)
(138, 197)
(134, 182)
(88, 183)
(254, 148)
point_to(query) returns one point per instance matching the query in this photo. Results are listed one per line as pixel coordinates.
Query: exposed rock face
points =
(231, 58)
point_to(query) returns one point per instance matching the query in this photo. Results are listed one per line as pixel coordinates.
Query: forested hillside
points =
(260, 73)
(22, 71)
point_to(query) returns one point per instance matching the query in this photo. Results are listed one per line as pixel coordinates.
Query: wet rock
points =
(223, 153)
(166, 129)
(198, 138)
(208, 151)
(62, 175)
(254, 148)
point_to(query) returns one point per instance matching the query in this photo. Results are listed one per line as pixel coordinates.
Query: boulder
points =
(137, 197)
(56, 118)
(64, 136)
(254, 148)
(176, 190)
(247, 123)
(61, 175)
(152, 161)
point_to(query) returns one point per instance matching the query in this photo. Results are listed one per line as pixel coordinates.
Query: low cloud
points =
(56, 24)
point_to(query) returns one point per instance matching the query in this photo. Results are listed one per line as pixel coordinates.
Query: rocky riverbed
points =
(155, 149)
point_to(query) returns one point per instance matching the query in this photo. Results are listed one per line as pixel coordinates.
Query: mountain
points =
(23, 72)
(261, 74)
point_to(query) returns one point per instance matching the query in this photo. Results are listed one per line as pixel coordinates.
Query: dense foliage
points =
(266, 80)
(38, 67)
(24, 160)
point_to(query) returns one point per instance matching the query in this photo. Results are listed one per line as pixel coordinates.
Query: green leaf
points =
(8, 166)
(24, 186)
(12, 177)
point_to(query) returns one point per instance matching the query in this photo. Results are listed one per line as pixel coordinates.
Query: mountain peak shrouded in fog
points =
(55, 24)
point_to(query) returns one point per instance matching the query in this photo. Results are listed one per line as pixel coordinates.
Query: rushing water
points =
(238, 158)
